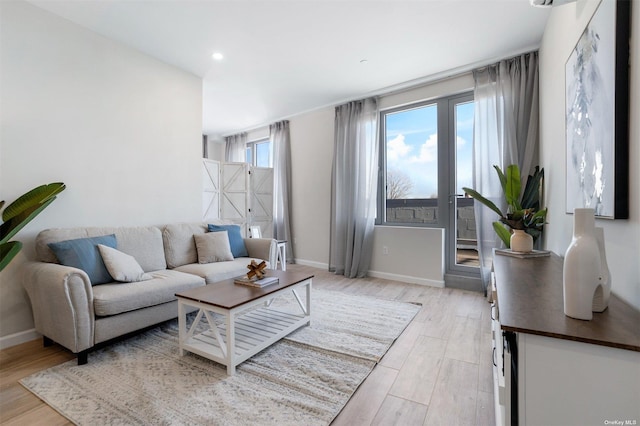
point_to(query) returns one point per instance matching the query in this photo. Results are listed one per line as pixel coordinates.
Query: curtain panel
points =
(354, 188)
(280, 138)
(235, 148)
(506, 123)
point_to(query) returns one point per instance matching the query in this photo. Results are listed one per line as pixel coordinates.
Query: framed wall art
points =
(597, 114)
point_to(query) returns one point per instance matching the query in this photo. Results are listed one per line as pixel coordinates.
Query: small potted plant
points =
(524, 220)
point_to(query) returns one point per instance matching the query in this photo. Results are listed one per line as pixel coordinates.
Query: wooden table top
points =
(228, 295)
(530, 300)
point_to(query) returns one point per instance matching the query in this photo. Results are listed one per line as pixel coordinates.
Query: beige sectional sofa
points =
(69, 310)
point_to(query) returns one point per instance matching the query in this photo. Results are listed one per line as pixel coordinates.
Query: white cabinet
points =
(550, 369)
(563, 382)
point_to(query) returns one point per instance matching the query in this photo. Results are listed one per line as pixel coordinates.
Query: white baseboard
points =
(313, 264)
(18, 338)
(376, 274)
(406, 279)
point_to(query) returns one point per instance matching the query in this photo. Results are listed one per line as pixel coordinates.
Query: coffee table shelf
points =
(249, 326)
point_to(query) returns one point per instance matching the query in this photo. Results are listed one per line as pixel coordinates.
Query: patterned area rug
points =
(304, 379)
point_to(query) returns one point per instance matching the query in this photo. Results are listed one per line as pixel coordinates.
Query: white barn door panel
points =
(238, 193)
(261, 199)
(211, 190)
(234, 202)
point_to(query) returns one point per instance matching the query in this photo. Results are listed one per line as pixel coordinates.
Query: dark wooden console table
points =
(565, 371)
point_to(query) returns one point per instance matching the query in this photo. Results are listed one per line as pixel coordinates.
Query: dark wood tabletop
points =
(530, 300)
(227, 294)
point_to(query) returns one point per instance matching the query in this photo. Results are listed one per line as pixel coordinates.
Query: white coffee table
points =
(251, 322)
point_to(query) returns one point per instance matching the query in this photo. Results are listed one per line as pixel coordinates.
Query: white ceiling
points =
(286, 57)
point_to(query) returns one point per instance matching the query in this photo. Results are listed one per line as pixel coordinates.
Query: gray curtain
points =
(506, 121)
(235, 148)
(354, 188)
(279, 136)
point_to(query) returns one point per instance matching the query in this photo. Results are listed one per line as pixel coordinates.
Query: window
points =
(258, 153)
(416, 160)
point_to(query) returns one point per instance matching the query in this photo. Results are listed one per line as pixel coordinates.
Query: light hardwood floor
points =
(438, 371)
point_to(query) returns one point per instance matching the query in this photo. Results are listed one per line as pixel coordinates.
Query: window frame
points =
(445, 125)
(252, 146)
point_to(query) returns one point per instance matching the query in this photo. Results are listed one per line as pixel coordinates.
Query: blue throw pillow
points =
(83, 253)
(238, 249)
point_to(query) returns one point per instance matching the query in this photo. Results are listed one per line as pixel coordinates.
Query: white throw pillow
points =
(213, 247)
(121, 266)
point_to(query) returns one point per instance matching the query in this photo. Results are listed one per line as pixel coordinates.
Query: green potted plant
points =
(523, 210)
(21, 212)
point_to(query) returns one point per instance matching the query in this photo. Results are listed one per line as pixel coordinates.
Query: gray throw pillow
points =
(121, 266)
(213, 247)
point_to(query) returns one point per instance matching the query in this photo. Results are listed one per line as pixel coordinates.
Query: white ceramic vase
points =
(603, 292)
(520, 241)
(582, 270)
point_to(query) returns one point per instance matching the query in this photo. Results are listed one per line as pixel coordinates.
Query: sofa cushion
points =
(143, 242)
(179, 245)
(214, 272)
(115, 298)
(213, 247)
(235, 238)
(83, 253)
(121, 266)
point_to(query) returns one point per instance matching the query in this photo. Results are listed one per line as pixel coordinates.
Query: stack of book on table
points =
(256, 283)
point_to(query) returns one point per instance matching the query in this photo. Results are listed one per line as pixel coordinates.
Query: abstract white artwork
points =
(590, 115)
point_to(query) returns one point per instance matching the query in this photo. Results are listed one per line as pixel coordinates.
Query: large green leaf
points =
(502, 177)
(11, 227)
(512, 188)
(476, 195)
(32, 198)
(503, 233)
(531, 194)
(8, 251)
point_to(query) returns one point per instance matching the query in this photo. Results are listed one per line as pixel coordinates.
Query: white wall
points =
(311, 156)
(413, 254)
(121, 129)
(564, 27)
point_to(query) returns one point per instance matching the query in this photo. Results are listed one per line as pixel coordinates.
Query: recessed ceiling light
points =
(217, 56)
(363, 61)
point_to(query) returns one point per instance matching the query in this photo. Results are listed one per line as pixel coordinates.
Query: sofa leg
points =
(46, 342)
(83, 357)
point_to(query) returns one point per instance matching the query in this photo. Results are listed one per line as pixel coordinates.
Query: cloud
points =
(397, 150)
(428, 151)
(460, 141)
(418, 161)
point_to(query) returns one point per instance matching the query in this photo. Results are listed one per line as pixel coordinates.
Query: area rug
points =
(304, 379)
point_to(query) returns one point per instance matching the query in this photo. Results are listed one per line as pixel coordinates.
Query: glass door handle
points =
(451, 196)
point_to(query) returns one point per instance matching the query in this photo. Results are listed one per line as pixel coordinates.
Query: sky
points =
(412, 147)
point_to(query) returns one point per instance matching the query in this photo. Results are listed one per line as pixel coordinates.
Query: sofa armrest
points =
(62, 302)
(262, 248)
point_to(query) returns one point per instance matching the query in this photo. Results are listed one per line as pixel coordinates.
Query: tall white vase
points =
(582, 270)
(603, 292)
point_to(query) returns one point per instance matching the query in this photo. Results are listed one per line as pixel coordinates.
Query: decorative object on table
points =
(21, 212)
(523, 213)
(582, 269)
(597, 85)
(603, 292)
(262, 282)
(256, 269)
(520, 241)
